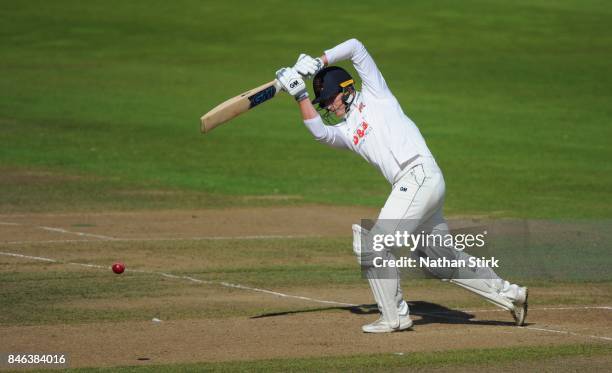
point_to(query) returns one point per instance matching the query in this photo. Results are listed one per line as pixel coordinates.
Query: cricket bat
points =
(240, 104)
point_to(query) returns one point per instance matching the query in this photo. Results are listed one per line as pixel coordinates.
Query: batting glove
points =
(292, 83)
(308, 66)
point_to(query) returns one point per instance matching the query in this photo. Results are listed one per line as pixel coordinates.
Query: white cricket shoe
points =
(519, 312)
(382, 326)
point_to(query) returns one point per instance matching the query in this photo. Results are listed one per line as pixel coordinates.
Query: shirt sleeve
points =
(371, 77)
(330, 135)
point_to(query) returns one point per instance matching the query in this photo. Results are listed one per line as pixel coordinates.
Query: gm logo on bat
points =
(262, 96)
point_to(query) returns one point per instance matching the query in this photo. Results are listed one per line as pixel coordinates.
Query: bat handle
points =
(278, 86)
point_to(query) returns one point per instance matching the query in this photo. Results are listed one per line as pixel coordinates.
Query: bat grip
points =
(278, 86)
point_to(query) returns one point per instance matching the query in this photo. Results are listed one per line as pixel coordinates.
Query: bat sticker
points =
(262, 96)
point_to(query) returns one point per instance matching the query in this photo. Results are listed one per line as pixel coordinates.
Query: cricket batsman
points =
(373, 125)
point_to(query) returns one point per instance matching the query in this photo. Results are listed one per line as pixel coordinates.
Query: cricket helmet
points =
(329, 82)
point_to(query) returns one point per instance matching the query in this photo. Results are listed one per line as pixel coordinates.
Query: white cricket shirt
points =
(375, 127)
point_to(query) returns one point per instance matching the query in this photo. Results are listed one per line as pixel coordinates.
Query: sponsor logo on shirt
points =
(360, 132)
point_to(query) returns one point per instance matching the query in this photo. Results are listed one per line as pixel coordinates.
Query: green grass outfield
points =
(513, 99)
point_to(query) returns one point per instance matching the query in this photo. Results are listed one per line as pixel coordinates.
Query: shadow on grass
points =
(430, 313)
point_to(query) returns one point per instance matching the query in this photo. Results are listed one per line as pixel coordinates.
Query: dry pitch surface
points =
(187, 268)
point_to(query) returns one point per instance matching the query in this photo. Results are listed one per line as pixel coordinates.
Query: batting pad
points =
(487, 288)
(387, 292)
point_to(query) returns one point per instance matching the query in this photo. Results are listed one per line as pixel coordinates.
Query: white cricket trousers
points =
(414, 205)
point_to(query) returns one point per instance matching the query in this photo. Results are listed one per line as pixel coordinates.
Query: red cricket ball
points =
(118, 268)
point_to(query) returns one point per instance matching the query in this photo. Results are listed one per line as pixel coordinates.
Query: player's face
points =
(337, 107)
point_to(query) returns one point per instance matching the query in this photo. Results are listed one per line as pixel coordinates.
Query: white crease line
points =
(60, 230)
(238, 286)
(437, 314)
(11, 224)
(242, 287)
(566, 332)
(204, 238)
(534, 309)
(29, 257)
(89, 265)
(192, 279)
(161, 239)
(47, 241)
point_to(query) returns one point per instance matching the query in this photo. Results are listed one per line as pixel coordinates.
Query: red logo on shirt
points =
(360, 132)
